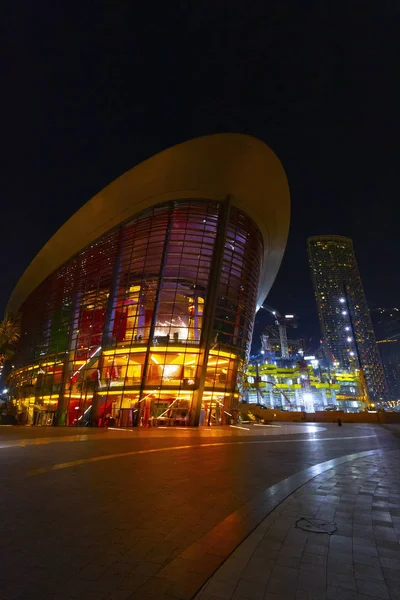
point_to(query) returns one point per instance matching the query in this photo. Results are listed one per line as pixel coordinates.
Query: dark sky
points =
(87, 95)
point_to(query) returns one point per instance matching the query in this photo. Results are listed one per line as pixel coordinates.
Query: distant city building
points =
(280, 347)
(302, 386)
(271, 344)
(348, 335)
(386, 322)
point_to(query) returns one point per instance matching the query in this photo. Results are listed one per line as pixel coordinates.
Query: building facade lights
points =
(335, 276)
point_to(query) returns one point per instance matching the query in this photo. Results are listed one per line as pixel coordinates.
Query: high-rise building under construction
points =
(348, 336)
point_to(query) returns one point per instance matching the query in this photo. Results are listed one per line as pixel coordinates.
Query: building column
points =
(108, 324)
(210, 305)
(63, 400)
(141, 397)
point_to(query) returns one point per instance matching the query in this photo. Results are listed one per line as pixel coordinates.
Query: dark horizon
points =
(89, 98)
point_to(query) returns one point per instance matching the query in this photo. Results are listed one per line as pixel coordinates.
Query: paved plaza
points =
(208, 513)
(361, 560)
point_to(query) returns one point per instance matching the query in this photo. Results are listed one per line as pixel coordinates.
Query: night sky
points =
(88, 95)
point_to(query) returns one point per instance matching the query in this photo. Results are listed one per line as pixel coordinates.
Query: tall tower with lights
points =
(347, 331)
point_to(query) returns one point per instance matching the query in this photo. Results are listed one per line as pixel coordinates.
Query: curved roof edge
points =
(209, 167)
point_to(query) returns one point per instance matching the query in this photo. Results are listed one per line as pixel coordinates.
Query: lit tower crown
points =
(342, 309)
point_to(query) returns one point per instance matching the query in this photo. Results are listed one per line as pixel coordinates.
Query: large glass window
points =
(122, 323)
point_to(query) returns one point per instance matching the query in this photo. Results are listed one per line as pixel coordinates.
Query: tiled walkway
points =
(121, 516)
(360, 561)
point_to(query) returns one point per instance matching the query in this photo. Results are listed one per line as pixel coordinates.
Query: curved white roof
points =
(209, 167)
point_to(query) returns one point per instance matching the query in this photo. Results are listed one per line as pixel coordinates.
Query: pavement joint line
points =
(93, 459)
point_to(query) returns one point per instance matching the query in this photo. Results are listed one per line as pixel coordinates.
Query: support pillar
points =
(210, 305)
(139, 410)
(108, 322)
(63, 400)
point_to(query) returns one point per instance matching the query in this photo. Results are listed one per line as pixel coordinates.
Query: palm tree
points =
(10, 332)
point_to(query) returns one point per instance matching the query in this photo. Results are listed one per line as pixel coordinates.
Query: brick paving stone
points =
(338, 556)
(291, 550)
(285, 560)
(281, 587)
(388, 544)
(388, 552)
(365, 559)
(319, 540)
(219, 589)
(347, 582)
(391, 563)
(314, 559)
(118, 595)
(381, 516)
(251, 590)
(340, 568)
(362, 518)
(392, 574)
(311, 584)
(310, 594)
(367, 572)
(289, 574)
(155, 588)
(364, 541)
(335, 593)
(340, 542)
(372, 587)
(385, 533)
(394, 589)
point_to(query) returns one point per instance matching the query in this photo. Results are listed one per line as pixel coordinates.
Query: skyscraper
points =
(348, 335)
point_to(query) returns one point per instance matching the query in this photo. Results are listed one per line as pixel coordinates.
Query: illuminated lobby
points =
(139, 311)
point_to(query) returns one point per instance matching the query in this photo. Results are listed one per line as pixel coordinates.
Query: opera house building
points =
(140, 309)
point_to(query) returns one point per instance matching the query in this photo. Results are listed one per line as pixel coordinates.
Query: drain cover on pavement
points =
(316, 525)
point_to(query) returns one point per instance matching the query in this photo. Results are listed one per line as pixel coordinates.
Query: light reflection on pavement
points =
(88, 434)
(129, 509)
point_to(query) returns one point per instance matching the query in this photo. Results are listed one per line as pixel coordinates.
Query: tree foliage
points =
(10, 332)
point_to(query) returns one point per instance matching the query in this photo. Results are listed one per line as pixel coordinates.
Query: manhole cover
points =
(316, 525)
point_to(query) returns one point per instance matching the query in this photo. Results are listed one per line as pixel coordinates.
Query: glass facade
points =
(386, 322)
(149, 325)
(343, 312)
